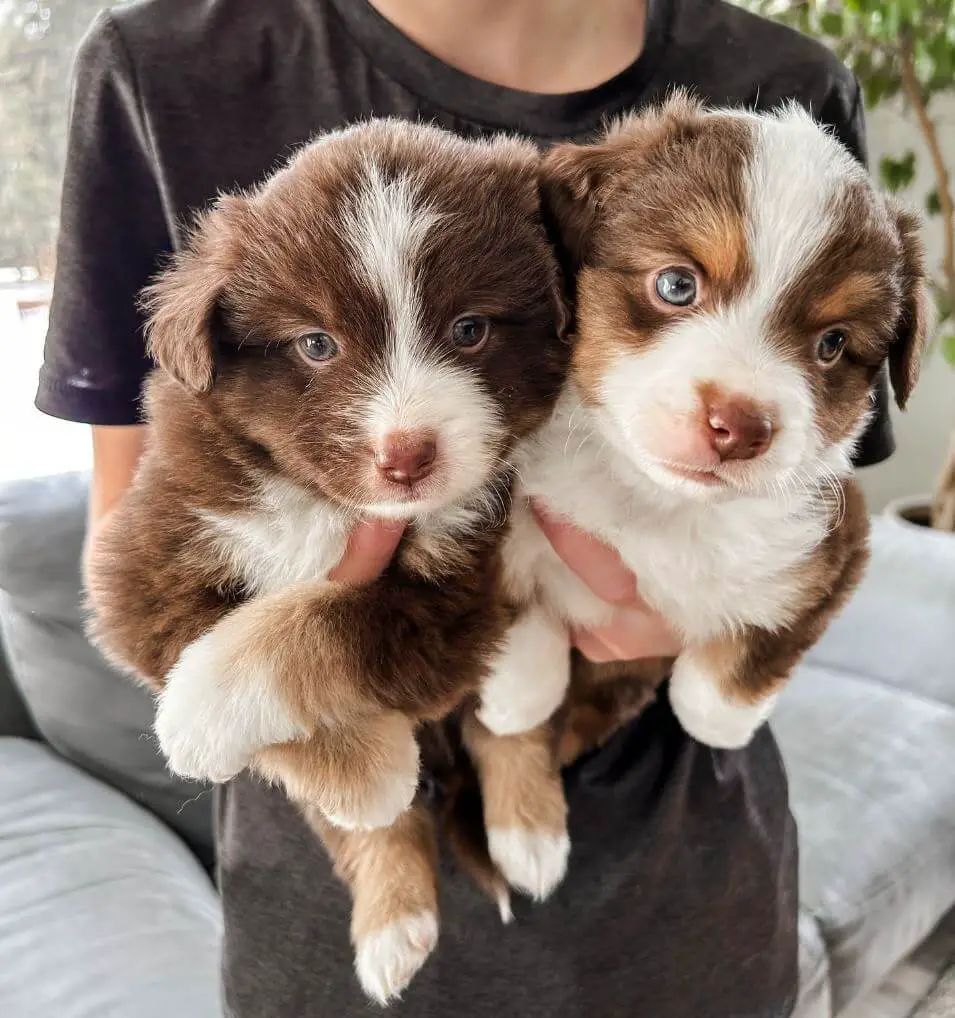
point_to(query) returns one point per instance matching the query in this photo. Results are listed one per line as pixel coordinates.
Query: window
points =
(37, 42)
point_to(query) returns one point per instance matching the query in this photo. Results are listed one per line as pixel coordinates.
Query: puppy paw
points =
(218, 708)
(531, 861)
(386, 764)
(706, 714)
(528, 678)
(386, 961)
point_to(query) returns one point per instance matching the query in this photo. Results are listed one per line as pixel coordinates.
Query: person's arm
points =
(116, 452)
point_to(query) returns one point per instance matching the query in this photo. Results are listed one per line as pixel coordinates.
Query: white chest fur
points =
(286, 536)
(708, 567)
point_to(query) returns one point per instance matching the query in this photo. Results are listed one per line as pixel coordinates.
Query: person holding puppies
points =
(681, 899)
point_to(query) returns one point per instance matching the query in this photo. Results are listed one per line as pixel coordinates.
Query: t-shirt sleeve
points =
(844, 113)
(113, 234)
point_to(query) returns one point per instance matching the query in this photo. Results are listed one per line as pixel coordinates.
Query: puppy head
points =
(739, 284)
(383, 316)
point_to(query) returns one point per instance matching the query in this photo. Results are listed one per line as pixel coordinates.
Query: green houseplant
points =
(902, 51)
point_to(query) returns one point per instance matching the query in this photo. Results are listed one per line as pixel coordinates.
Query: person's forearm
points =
(116, 455)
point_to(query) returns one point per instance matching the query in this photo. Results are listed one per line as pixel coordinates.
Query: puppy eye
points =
(830, 346)
(470, 332)
(677, 287)
(318, 346)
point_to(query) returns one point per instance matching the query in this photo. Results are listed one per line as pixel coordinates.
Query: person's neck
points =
(545, 46)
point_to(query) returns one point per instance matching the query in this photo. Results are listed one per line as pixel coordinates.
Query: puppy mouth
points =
(394, 499)
(701, 475)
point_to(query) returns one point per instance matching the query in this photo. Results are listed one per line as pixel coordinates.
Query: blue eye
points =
(470, 332)
(830, 346)
(318, 346)
(677, 287)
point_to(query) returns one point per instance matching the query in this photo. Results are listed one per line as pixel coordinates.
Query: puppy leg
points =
(220, 703)
(529, 676)
(525, 813)
(324, 656)
(392, 876)
(719, 696)
(722, 691)
(361, 775)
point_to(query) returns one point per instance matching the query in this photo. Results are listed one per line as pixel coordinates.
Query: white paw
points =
(528, 678)
(218, 708)
(533, 862)
(389, 780)
(388, 960)
(706, 714)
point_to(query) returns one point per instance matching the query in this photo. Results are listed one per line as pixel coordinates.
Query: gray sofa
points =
(106, 905)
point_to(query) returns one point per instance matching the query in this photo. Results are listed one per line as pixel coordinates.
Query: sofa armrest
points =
(14, 717)
(86, 710)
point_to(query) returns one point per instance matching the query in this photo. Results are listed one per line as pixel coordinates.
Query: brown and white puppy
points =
(370, 333)
(739, 284)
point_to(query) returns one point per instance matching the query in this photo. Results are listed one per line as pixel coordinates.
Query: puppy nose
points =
(739, 429)
(406, 456)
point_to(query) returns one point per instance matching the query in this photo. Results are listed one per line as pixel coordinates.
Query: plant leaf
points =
(948, 348)
(933, 205)
(897, 174)
(831, 23)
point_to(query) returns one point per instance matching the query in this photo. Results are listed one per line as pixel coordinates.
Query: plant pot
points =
(910, 510)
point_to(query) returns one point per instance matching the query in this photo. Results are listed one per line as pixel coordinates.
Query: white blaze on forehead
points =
(795, 174)
(387, 225)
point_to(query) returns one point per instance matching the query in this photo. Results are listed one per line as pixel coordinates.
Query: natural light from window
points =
(37, 41)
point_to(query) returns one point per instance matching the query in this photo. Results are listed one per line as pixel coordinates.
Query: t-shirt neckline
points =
(462, 95)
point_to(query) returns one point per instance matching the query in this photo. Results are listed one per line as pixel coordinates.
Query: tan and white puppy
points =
(739, 284)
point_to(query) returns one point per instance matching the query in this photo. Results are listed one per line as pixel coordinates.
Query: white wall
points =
(923, 431)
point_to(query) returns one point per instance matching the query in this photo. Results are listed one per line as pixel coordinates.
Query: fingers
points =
(369, 550)
(636, 630)
(593, 561)
(634, 633)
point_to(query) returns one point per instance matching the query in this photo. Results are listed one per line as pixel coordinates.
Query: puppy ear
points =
(571, 180)
(181, 303)
(905, 353)
(576, 179)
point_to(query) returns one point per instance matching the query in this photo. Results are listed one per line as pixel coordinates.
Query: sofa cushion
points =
(14, 717)
(815, 999)
(90, 713)
(898, 627)
(870, 770)
(103, 911)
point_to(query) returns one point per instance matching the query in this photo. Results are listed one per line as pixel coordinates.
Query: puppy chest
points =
(709, 574)
(285, 536)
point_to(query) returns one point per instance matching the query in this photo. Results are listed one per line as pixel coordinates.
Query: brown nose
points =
(405, 457)
(739, 429)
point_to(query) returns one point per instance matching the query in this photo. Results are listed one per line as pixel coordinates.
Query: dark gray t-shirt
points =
(681, 900)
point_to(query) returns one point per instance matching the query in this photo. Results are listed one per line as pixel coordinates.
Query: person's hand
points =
(636, 631)
(370, 548)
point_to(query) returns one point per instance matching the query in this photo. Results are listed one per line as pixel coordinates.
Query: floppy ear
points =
(182, 301)
(905, 353)
(576, 178)
(571, 180)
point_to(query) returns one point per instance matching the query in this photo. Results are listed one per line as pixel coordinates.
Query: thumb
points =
(370, 548)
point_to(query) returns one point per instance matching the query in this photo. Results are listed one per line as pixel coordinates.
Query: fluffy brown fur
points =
(211, 574)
